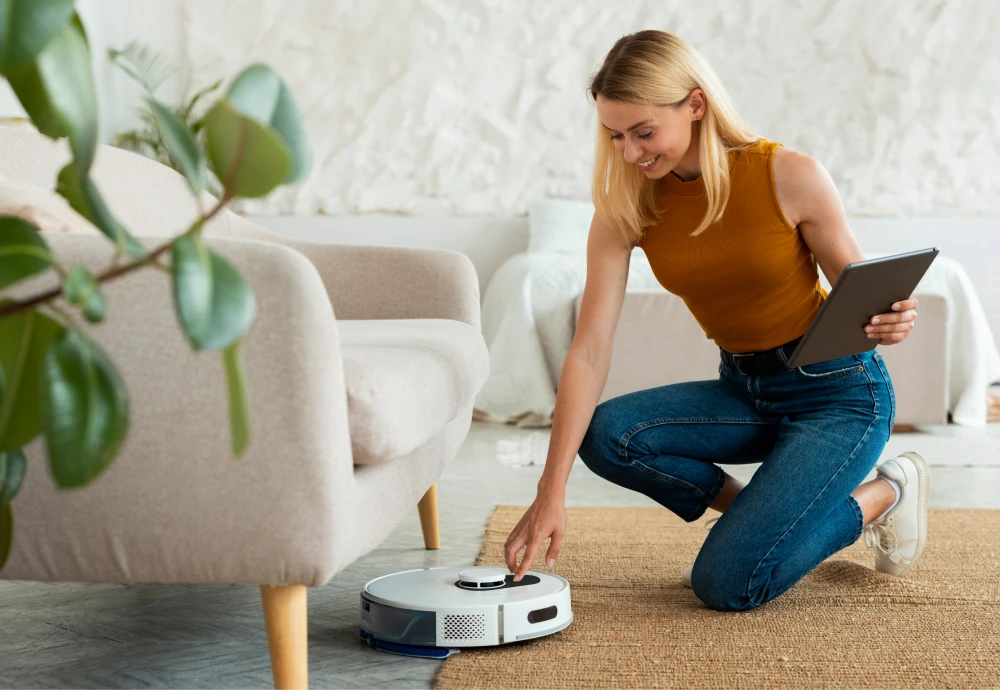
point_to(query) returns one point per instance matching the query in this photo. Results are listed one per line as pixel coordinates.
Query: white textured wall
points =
(476, 106)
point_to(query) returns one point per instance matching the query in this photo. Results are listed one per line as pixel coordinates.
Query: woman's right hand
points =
(546, 517)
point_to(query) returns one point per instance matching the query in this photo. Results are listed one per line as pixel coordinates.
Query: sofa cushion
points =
(406, 379)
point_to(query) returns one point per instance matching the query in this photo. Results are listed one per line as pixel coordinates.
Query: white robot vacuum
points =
(433, 612)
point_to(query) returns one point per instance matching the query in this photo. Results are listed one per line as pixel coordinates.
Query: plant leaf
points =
(180, 143)
(143, 64)
(12, 466)
(249, 158)
(86, 410)
(82, 194)
(95, 309)
(23, 252)
(79, 285)
(82, 288)
(25, 337)
(214, 303)
(6, 532)
(27, 25)
(239, 405)
(259, 93)
(186, 111)
(27, 85)
(64, 68)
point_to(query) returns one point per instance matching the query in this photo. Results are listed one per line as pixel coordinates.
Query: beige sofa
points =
(363, 364)
(658, 342)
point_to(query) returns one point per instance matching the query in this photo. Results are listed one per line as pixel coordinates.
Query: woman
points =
(735, 225)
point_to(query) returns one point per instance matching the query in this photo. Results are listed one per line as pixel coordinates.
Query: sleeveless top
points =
(750, 280)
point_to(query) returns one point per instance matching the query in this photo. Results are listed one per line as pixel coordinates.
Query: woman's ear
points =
(696, 104)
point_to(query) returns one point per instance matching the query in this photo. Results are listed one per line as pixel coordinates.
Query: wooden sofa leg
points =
(428, 508)
(287, 634)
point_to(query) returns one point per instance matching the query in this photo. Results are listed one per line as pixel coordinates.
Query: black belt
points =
(762, 361)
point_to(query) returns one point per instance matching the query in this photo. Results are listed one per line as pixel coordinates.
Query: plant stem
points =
(68, 316)
(113, 273)
(162, 267)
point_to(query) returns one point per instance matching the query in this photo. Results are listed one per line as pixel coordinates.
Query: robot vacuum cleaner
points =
(434, 612)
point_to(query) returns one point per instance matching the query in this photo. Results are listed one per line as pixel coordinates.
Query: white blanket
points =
(528, 322)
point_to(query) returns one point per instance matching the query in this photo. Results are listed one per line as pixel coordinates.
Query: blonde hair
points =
(656, 68)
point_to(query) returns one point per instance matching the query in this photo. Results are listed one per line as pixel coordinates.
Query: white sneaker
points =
(899, 537)
(686, 577)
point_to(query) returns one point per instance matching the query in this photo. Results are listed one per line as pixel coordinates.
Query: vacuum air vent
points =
(464, 626)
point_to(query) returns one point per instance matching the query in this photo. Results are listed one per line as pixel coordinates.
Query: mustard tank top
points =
(750, 280)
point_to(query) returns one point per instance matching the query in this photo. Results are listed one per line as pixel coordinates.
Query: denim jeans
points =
(818, 430)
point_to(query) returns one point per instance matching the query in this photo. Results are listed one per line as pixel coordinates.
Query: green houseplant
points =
(150, 69)
(54, 380)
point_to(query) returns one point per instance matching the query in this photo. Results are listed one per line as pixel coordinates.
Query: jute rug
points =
(844, 625)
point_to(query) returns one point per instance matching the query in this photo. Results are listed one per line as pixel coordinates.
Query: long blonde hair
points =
(656, 68)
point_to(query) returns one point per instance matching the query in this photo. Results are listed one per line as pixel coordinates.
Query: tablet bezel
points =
(801, 357)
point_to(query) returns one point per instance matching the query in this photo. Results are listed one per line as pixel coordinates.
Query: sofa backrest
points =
(148, 198)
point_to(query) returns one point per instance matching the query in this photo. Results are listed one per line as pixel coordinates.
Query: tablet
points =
(863, 289)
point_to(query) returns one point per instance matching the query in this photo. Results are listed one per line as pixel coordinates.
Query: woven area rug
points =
(844, 625)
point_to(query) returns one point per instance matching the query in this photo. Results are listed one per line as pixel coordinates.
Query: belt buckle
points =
(737, 363)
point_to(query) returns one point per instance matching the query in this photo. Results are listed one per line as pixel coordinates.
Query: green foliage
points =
(83, 290)
(255, 136)
(82, 194)
(143, 64)
(68, 94)
(6, 531)
(57, 91)
(249, 158)
(86, 409)
(23, 252)
(214, 303)
(12, 467)
(27, 26)
(239, 401)
(54, 380)
(260, 94)
(165, 130)
(25, 337)
(179, 141)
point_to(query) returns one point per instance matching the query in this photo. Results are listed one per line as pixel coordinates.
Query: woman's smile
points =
(648, 164)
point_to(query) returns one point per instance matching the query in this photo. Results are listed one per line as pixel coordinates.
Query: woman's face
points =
(655, 139)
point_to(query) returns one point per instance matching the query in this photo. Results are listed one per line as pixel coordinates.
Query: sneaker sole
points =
(924, 472)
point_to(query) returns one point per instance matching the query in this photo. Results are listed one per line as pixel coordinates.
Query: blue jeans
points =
(818, 430)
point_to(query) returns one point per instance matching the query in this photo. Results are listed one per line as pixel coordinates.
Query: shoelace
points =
(879, 535)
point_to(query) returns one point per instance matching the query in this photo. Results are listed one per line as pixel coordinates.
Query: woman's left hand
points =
(895, 326)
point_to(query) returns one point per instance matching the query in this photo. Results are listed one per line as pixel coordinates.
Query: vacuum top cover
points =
(456, 587)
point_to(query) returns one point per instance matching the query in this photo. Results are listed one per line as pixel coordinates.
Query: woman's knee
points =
(725, 587)
(599, 448)
(721, 593)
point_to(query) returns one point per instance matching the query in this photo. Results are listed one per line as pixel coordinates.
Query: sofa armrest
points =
(175, 506)
(377, 282)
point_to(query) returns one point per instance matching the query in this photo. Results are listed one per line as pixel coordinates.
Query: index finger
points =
(527, 559)
(511, 549)
(904, 304)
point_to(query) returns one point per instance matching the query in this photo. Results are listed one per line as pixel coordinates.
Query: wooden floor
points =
(176, 636)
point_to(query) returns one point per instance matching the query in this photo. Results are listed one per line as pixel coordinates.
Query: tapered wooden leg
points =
(428, 508)
(285, 619)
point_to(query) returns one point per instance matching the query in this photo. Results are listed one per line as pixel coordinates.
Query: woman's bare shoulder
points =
(799, 181)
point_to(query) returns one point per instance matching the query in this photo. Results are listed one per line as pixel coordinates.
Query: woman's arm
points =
(809, 200)
(585, 370)
(584, 373)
